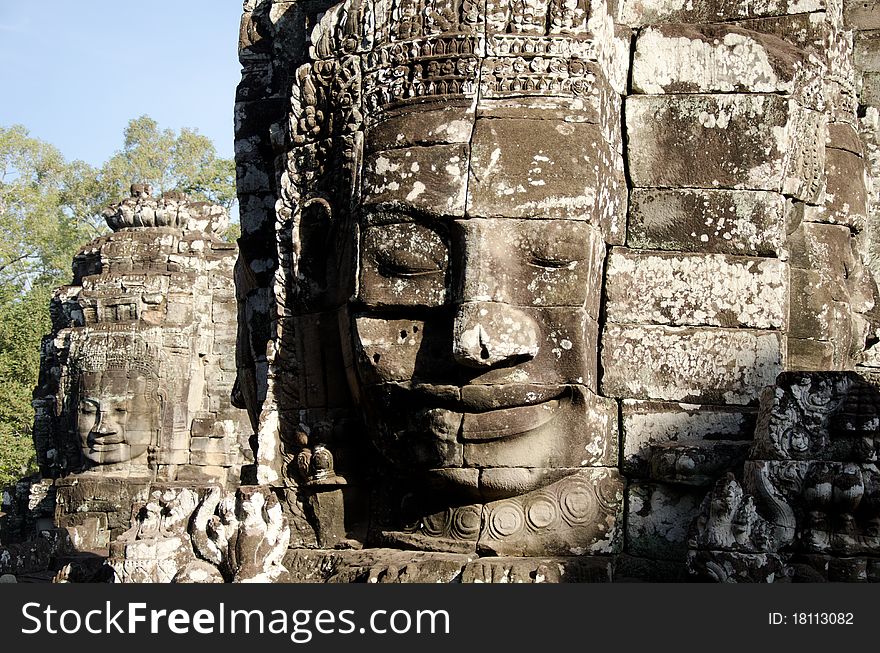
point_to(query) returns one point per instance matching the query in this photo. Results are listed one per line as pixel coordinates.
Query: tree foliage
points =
(51, 207)
(44, 212)
(24, 320)
(182, 161)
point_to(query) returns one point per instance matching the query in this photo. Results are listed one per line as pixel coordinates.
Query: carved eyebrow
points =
(396, 214)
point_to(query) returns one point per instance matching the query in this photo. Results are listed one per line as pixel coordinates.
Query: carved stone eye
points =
(559, 252)
(406, 250)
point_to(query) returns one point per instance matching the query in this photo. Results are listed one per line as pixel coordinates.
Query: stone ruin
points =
(526, 291)
(534, 264)
(137, 375)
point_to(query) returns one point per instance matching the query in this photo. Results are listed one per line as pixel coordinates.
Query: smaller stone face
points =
(117, 416)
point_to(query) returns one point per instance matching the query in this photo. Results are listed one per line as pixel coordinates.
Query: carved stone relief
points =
(136, 377)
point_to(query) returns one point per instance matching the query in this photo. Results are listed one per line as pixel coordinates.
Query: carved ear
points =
(317, 210)
(315, 244)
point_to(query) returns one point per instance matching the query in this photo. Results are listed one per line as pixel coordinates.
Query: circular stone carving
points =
(466, 523)
(578, 503)
(506, 520)
(607, 490)
(542, 512)
(437, 524)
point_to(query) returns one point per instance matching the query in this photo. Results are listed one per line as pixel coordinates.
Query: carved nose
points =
(488, 333)
(106, 424)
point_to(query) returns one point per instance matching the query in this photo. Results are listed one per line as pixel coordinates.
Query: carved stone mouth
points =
(507, 422)
(484, 398)
(105, 442)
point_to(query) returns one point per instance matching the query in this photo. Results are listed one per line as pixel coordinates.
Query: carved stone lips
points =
(494, 412)
(484, 398)
(105, 441)
(507, 422)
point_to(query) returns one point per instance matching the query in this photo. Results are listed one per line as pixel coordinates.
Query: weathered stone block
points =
(713, 59)
(209, 445)
(723, 366)
(748, 223)
(808, 355)
(444, 126)
(845, 136)
(658, 519)
(429, 178)
(846, 195)
(650, 287)
(815, 314)
(637, 13)
(826, 250)
(547, 169)
(647, 423)
(870, 93)
(220, 459)
(738, 141)
(867, 51)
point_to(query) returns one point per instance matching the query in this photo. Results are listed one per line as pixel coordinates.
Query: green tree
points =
(23, 322)
(182, 161)
(43, 217)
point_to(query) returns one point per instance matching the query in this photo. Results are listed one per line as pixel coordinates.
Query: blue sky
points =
(74, 73)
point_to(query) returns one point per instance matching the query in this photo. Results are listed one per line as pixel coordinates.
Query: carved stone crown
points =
(172, 209)
(116, 351)
(434, 50)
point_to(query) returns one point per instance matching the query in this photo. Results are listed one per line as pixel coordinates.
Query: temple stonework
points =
(137, 375)
(528, 291)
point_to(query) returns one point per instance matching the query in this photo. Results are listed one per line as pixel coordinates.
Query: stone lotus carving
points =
(203, 534)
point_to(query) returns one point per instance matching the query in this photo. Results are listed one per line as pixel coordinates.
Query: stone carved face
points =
(117, 416)
(475, 326)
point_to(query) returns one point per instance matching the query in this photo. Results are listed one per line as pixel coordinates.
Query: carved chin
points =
(495, 483)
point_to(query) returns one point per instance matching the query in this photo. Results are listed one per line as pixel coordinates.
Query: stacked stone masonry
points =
(136, 377)
(726, 188)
